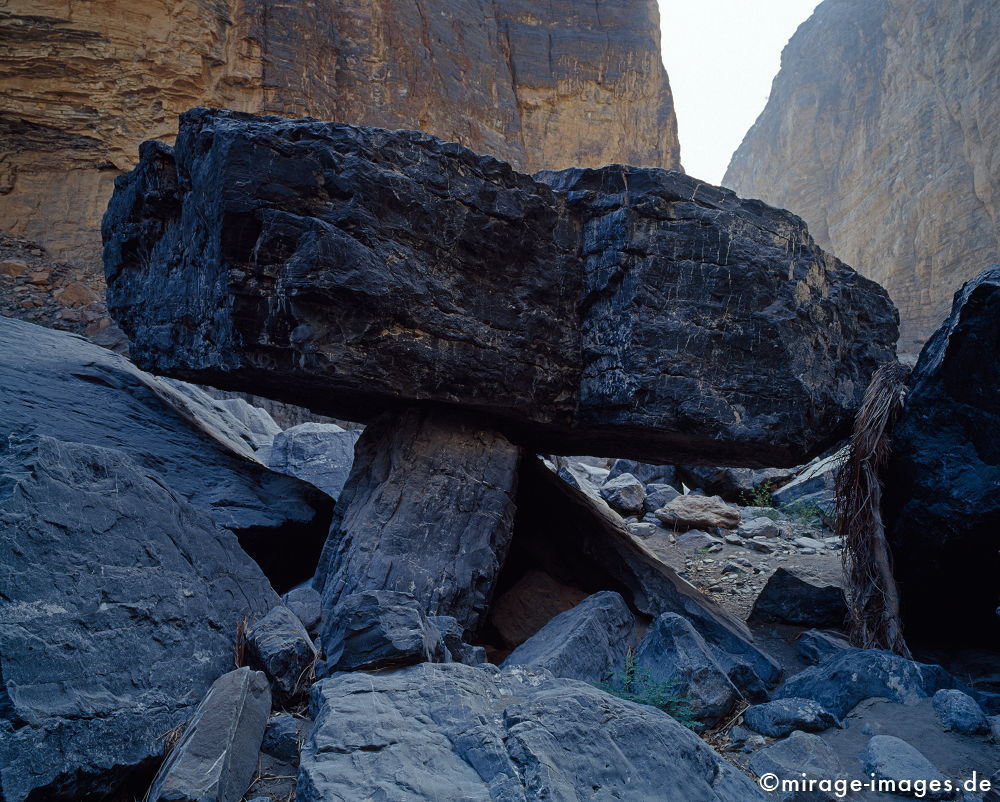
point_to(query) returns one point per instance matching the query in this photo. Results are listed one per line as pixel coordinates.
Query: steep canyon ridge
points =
(883, 132)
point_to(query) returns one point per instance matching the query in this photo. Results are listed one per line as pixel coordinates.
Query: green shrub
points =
(759, 496)
(805, 512)
(635, 684)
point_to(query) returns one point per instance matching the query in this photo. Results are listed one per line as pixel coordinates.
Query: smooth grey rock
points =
(118, 609)
(761, 526)
(780, 717)
(696, 539)
(217, 755)
(379, 628)
(279, 646)
(428, 510)
(800, 756)
(643, 529)
(260, 427)
(959, 712)
(63, 386)
(790, 599)
(892, 758)
(625, 493)
(434, 732)
(587, 642)
(843, 680)
(644, 472)
(657, 497)
(616, 310)
(453, 636)
(815, 645)
(307, 604)
(673, 650)
(318, 453)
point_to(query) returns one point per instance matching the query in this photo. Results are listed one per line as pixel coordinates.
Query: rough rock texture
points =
(351, 270)
(379, 628)
(118, 608)
(540, 86)
(942, 486)
(586, 643)
(307, 605)
(846, 678)
(217, 755)
(624, 493)
(428, 510)
(453, 636)
(319, 453)
(279, 646)
(781, 717)
(882, 130)
(790, 599)
(813, 486)
(959, 712)
(698, 512)
(58, 384)
(801, 755)
(434, 732)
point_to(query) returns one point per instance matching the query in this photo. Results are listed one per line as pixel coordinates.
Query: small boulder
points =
(780, 717)
(217, 755)
(890, 758)
(846, 678)
(454, 641)
(279, 646)
(319, 453)
(658, 496)
(307, 604)
(698, 512)
(800, 756)
(696, 539)
(761, 526)
(674, 651)
(587, 642)
(815, 645)
(643, 529)
(379, 628)
(283, 737)
(624, 493)
(790, 599)
(959, 712)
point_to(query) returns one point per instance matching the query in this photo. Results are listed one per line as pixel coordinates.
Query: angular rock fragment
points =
(780, 717)
(119, 603)
(658, 496)
(797, 757)
(644, 472)
(319, 453)
(624, 493)
(452, 634)
(843, 680)
(588, 642)
(434, 732)
(217, 755)
(942, 485)
(354, 270)
(815, 645)
(789, 599)
(428, 510)
(279, 646)
(698, 512)
(307, 605)
(379, 628)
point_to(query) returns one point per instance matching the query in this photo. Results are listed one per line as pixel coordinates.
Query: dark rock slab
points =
(217, 756)
(790, 599)
(58, 384)
(353, 270)
(279, 646)
(644, 472)
(815, 645)
(942, 486)
(284, 735)
(733, 484)
(379, 628)
(434, 732)
(428, 510)
(319, 453)
(587, 642)
(118, 609)
(780, 717)
(846, 678)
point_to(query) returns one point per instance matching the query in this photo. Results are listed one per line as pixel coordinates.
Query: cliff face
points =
(883, 132)
(84, 83)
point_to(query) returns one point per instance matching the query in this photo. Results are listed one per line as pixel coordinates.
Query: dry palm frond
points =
(873, 597)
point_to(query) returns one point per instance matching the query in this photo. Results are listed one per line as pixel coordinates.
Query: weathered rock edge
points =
(624, 310)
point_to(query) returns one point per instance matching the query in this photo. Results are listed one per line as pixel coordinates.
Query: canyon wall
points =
(883, 132)
(84, 83)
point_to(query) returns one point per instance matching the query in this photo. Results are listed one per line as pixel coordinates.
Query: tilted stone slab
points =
(622, 310)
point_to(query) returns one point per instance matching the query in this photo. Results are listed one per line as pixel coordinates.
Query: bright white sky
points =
(721, 56)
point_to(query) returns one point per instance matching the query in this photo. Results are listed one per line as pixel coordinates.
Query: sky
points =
(721, 56)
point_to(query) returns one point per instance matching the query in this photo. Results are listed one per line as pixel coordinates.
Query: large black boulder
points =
(628, 311)
(942, 487)
(61, 385)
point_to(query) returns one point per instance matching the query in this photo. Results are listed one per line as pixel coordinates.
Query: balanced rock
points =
(698, 512)
(351, 270)
(319, 453)
(434, 732)
(942, 485)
